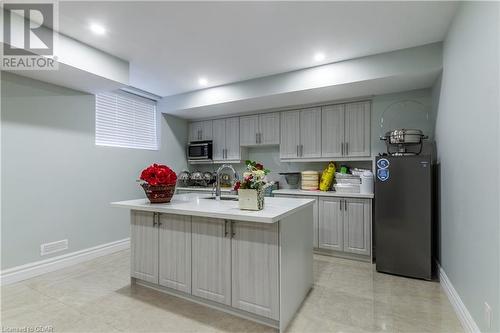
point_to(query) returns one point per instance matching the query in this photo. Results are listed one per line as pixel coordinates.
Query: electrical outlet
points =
(52, 247)
(487, 314)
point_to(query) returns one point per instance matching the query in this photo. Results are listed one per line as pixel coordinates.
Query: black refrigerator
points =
(403, 215)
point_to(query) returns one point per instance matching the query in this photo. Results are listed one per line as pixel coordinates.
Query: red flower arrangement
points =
(158, 174)
(159, 183)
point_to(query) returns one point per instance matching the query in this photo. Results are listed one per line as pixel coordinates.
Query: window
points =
(125, 120)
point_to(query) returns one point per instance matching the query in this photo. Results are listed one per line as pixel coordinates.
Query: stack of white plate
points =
(310, 180)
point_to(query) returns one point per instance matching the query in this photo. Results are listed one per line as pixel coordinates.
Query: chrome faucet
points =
(217, 178)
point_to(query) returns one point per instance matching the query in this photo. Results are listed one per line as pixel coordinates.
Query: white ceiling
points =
(171, 44)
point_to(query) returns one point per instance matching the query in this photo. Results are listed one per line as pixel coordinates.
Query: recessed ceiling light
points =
(202, 81)
(97, 29)
(319, 56)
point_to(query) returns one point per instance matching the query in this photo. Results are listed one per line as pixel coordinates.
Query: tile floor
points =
(348, 296)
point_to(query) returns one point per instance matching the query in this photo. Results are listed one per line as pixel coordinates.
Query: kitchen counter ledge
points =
(196, 204)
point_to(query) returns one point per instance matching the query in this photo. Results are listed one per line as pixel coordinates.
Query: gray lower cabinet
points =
(330, 224)
(232, 263)
(211, 255)
(357, 226)
(144, 258)
(345, 225)
(174, 258)
(255, 251)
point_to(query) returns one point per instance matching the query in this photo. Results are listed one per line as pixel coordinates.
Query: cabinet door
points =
(255, 265)
(310, 133)
(219, 140)
(233, 139)
(211, 259)
(144, 250)
(357, 226)
(195, 131)
(290, 134)
(206, 130)
(269, 129)
(249, 128)
(330, 224)
(174, 256)
(332, 130)
(357, 129)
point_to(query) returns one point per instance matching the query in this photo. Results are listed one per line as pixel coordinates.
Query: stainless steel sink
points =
(224, 198)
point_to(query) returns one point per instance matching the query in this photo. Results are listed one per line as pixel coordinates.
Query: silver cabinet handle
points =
(158, 219)
(342, 148)
(226, 232)
(233, 233)
(260, 137)
(301, 150)
(256, 137)
(341, 204)
(345, 205)
(347, 148)
(154, 219)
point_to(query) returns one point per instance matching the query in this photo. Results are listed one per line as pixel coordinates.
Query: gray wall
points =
(56, 183)
(467, 135)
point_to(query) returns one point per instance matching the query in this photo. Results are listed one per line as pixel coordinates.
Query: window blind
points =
(125, 120)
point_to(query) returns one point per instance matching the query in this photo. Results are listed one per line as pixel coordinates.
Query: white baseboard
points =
(463, 314)
(23, 272)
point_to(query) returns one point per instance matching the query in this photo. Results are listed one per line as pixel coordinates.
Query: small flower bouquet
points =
(251, 188)
(158, 183)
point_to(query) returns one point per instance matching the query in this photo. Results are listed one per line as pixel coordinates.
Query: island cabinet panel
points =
(255, 266)
(211, 259)
(330, 224)
(144, 246)
(357, 222)
(175, 252)
(315, 214)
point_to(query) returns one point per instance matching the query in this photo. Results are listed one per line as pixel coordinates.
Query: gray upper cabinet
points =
(144, 251)
(330, 224)
(249, 130)
(255, 268)
(357, 129)
(200, 130)
(261, 129)
(269, 129)
(211, 259)
(310, 133)
(332, 130)
(219, 139)
(175, 252)
(346, 130)
(226, 139)
(290, 134)
(357, 226)
(301, 134)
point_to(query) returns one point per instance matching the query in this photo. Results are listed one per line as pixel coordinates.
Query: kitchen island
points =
(254, 264)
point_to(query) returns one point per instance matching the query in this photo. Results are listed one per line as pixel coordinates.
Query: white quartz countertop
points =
(323, 193)
(196, 204)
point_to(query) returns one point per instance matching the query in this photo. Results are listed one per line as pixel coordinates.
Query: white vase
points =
(250, 199)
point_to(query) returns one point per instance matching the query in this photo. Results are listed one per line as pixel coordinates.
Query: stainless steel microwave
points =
(200, 151)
